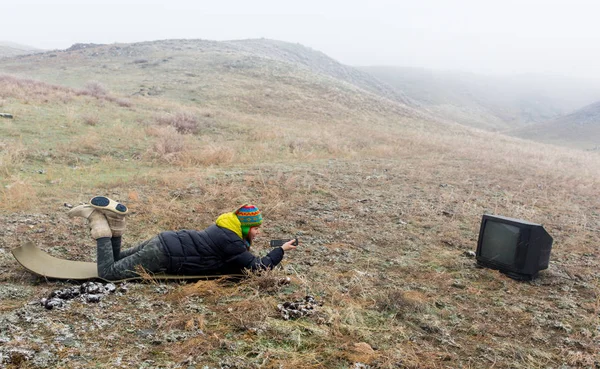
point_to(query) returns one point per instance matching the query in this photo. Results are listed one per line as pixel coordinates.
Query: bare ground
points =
(384, 248)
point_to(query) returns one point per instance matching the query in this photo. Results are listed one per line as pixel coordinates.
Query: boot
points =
(115, 222)
(96, 220)
(104, 203)
(113, 211)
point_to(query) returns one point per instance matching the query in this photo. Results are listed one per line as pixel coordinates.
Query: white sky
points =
(490, 36)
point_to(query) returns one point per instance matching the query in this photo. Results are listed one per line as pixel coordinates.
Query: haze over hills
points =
(8, 49)
(291, 80)
(490, 102)
(580, 128)
(250, 74)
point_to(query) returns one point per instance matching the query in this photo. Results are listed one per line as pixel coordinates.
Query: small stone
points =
(52, 303)
(469, 254)
(93, 298)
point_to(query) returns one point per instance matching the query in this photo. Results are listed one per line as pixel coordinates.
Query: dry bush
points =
(168, 145)
(11, 156)
(95, 89)
(183, 121)
(28, 90)
(91, 120)
(18, 196)
(122, 102)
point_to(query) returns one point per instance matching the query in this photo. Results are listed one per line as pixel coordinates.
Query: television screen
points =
(516, 247)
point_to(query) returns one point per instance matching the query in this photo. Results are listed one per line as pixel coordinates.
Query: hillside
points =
(385, 200)
(9, 49)
(262, 75)
(580, 129)
(492, 103)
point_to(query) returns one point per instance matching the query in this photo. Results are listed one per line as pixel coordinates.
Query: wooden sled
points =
(43, 264)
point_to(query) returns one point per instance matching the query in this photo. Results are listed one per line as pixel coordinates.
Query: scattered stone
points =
(299, 308)
(91, 292)
(146, 333)
(52, 303)
(469, 254)
(66, 294)
(93, 298)
(92, 287)
(459, 284)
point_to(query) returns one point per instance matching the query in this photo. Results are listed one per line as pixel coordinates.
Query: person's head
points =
(250, 218)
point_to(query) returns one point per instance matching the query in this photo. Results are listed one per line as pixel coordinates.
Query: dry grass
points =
(185, 122)
(18, 194)
(384, 208)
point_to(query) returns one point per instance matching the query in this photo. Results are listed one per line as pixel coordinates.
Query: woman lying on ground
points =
(222, 248)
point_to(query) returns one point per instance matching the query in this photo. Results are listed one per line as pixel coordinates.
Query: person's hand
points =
(289, 245)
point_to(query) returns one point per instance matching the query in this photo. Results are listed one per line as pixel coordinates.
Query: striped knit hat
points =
(249, 217)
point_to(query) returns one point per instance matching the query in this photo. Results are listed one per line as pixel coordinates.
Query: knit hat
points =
(249, 216)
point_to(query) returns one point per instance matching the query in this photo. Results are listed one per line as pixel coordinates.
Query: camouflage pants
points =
(114, 264)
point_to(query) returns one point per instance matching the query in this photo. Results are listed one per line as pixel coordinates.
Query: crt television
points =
(515, 247)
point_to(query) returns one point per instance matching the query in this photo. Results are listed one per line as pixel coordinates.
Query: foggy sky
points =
(485, 36)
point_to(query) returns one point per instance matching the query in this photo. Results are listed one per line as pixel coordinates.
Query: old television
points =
(515, 247)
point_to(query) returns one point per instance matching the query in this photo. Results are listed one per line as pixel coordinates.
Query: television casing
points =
(532, 252)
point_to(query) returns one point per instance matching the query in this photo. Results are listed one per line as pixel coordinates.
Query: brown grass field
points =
(385, 202)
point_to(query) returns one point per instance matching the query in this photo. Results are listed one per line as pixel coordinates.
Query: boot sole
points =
(104, 203)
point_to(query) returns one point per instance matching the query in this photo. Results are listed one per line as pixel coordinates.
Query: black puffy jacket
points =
(215, 250)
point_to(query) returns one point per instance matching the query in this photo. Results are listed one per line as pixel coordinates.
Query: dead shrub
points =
(31, 90)
(169, 144)
(184, 122)
(122, 102)
(95, 89)
(18, 195)
(91, 120)
(11, 156)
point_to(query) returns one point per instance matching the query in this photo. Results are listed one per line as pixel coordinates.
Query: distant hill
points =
(489, 102)
(8, 49)
(319, 62)
(579, 129)
(260, 76)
